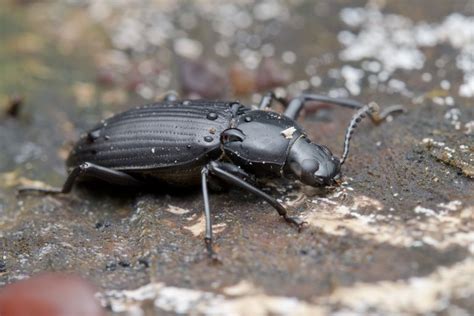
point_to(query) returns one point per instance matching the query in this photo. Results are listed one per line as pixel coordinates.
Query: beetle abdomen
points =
(161, 135)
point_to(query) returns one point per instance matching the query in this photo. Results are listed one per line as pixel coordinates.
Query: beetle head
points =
(313, 164)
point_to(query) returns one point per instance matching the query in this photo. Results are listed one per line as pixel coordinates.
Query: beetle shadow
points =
(100, 190)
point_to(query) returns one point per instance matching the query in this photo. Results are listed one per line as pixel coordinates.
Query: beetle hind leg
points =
(297, 104)
(87, 169)
(267, 100)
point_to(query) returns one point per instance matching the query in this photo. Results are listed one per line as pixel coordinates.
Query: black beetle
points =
(184, 142)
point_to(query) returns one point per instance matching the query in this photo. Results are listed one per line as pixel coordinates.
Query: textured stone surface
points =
(396, 237)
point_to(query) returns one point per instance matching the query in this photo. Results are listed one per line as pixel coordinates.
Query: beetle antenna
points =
(372, 107)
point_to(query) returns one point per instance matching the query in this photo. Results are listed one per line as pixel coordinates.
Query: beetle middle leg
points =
(296, 105)
(227, 173)
(87, 169)
(267, 100)
(230, 174)
(207, 213)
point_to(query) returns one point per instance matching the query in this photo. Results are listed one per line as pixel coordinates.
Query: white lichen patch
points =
(397, 42)
(417, 295)
(443, 226)
(469, 128)
(451, 206)
(462, 159)
(352, 76)
(13, 179)
(177, 210)
(453, 116)
(250, 301)
(244, 287)
(199, 227)
(424, 211)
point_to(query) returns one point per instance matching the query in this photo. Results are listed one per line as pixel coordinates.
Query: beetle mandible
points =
(190, 142)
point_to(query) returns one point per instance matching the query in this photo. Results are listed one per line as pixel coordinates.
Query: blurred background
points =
(395, 238)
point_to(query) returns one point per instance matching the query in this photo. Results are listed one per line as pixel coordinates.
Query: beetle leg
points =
(296, 105)
(218, 169)
(218, 184)
(267, 100)
(207, 214)
(88, 169)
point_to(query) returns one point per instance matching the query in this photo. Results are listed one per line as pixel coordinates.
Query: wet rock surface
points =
(395, 237)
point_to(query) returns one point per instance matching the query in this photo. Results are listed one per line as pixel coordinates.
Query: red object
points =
(49, 295)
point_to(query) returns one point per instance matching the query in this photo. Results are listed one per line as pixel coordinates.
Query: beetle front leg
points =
(218, 169)
(296, 105)
(88, 169)
(267, 100)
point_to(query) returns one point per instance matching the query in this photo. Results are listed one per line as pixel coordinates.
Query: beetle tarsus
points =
(30, 189)
(378, 117)
(296, 221)
(212, 255)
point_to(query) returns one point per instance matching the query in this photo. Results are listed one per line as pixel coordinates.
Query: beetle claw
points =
(212, 255)
(31, 189)
(215, 259)
(296, 221)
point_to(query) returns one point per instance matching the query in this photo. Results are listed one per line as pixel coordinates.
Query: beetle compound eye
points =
(310, 165)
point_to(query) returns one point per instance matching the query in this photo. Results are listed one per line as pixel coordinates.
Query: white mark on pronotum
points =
(288, 133)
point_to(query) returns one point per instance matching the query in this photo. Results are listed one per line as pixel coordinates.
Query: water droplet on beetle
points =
(212, 116)
(248, 119)
(93, 135)
(208, 139)
(188, 146)
(153, 150)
